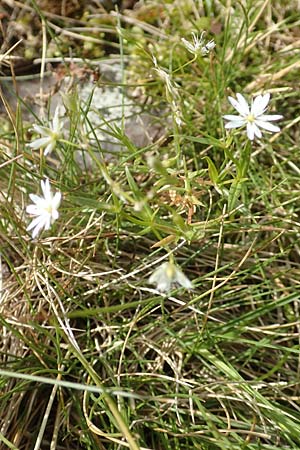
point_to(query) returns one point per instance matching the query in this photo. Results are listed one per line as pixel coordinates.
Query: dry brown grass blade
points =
(270, 78)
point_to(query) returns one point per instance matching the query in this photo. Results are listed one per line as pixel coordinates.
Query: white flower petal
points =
(163, 285)
(270, 117)
(36, 225)
(42, 205)
(260, 104)
(156, 275)
(54, 215)
(45, 185)
(34, 210)
(47, 224)
(244, 107)
(35, 198)
(256, 130)
(56, 200)
(198, 40)
(42, 130)
(210, 45)
(181, 279)
(188, 45)
(235, 124)
(267, 126)
(56, 121)
(238, 107)
(250, 131)
(49, 147)
(36, 231)
(39, 143)
(233, 117)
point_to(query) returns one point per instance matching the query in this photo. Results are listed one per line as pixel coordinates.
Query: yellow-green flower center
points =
(54, 136)
(170, 272)
(49, 209)
(250, 118)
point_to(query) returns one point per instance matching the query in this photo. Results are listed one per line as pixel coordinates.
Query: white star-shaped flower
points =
(50, 135)
(197, 45)
(166, 275)
(43, 208)
(253, 117)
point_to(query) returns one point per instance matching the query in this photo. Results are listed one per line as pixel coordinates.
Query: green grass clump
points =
(92, 355)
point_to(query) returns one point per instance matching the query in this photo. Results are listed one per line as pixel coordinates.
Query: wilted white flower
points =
(44, 209)
(50, 135)
(172, 93)
(197, 45)
(253, 117)
(166, 275)
(177, 114)
(166, 78)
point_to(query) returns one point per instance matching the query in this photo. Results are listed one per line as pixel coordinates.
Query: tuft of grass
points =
(91, 355)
